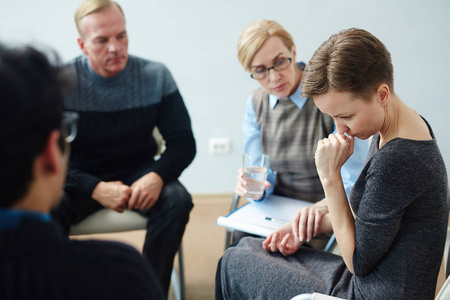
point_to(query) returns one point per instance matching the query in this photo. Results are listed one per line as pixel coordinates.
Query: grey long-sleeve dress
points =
(401, 213)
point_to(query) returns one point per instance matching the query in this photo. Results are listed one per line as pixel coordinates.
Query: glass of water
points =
(255, 173)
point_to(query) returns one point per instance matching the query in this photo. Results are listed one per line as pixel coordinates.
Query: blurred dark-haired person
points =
(36, 260)
(392, 233)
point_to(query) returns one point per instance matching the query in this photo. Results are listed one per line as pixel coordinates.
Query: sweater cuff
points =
(82, 186)
(166, 174)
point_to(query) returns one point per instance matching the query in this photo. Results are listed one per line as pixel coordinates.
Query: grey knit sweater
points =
(401, 219)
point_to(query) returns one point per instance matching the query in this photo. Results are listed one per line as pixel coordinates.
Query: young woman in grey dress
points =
(392, 233)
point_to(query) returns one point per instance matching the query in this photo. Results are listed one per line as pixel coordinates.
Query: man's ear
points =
(51, 154)
(81, 45)
(383, 93)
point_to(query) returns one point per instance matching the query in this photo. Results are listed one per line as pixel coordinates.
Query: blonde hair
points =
(253, 37)
(90, 6)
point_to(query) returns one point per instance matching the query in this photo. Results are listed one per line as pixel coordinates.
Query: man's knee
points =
(72, 210)
(178, 198)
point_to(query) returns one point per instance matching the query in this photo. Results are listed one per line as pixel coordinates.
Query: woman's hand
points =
(332, 153)
(307, 221)
(242, 183)
(283, 240)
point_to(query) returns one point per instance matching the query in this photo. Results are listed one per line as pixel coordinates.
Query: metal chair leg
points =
(181, 272)
(177, 280)
(330, 244)
(228, 239)
(233, 207)
(235, 202)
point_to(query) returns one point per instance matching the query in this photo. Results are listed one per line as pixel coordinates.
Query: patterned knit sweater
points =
(117, 117)
(401, 213)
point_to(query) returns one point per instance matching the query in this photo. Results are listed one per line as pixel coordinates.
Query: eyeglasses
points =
(279, 65)
(69, 128)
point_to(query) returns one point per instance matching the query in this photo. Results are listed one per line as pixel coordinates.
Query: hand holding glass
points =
(255, 173)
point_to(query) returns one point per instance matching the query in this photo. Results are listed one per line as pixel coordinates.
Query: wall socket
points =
(219, 145)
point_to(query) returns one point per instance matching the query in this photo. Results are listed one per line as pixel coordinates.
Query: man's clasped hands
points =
(142, 194)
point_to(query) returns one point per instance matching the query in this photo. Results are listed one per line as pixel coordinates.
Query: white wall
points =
(197, 41)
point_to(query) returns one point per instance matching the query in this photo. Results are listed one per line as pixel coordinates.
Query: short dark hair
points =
(31, 106)
(353, 61)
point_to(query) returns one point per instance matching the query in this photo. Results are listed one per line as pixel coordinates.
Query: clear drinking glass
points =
(255, 173)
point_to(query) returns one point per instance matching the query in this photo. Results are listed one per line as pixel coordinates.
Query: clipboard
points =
(261, 218)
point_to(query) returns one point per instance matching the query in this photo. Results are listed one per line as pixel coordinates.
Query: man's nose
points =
(113, 46)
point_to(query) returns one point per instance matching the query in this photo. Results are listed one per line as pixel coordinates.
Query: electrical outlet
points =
(219, 145)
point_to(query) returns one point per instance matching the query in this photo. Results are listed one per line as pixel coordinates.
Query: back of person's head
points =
(90, 6)
(253, 37)
(31, 101)
(352, 60)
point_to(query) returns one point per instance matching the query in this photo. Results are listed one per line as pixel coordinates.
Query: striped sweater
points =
(117, 117)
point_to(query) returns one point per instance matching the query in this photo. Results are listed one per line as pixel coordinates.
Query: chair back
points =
(160, 142)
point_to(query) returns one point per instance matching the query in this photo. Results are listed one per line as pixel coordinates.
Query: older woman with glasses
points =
(280, 122)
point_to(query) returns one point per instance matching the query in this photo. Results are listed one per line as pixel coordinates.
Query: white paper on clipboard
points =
(254, 217)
